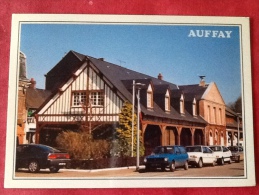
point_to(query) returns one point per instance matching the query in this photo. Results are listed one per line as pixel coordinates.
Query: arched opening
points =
(216, 137)
(211, 138)
(152, 138)
(222, 138)
(186, 137)
(198, 137)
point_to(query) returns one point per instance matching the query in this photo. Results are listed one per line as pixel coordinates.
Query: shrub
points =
(82, 146)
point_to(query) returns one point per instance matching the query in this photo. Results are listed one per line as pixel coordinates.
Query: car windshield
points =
(193, 149)
(215, 148)
(163, 150)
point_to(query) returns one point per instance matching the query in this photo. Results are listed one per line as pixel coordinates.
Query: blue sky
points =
(149, 49)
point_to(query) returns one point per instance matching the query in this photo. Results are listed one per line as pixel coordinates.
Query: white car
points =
(199, 155)
(223, 154)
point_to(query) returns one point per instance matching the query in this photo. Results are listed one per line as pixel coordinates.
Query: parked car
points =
(223, 154)
(37, 156)
(237, 153)
(199, 155)
(167, 156)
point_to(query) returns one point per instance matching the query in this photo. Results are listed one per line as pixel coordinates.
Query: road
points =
(228, 170)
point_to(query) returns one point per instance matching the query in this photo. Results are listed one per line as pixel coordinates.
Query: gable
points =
(213, 94)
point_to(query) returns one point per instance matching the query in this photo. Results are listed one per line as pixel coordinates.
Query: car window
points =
(177, 151)
(215, 148)
(170, 150)
(207, 150)
(193, 149)
(225, 149)
(182, 150)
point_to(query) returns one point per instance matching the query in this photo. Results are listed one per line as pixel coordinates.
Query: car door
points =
(183, 155)
(209, 155)
(22, 155)
(205, 155)
(177, 156)
(226, 153)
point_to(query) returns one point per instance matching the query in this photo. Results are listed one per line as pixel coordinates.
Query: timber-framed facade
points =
(91, 91)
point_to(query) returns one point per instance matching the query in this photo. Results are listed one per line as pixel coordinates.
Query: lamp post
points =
(138, 86)
(238, 131)
(132, 123)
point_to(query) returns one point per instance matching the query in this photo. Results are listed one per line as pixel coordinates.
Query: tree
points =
(124, 133)
(237, 105)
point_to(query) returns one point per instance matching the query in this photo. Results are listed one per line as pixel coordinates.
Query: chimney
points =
(202, 81)
(33, 84)
(160, 76)
(102, 59)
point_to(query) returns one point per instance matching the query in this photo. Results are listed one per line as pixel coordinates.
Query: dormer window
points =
(167, 101)
(194, 108)
(182, 105)
(149, 97)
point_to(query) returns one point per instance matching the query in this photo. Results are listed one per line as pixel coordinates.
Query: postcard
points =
(129, 101)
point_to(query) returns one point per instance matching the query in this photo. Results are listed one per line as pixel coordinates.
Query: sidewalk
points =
(106, 169)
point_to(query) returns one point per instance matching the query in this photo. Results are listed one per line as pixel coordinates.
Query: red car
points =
(37, 156)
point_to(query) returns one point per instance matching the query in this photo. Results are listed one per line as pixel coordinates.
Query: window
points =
(78, 98)
(194, 110)
(96, 99)
(215, 115)
(167, 102)
(209, 114)
(149, 97)
(220, 116)
(182, 105)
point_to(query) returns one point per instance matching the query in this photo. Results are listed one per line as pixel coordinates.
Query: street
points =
(228, 170)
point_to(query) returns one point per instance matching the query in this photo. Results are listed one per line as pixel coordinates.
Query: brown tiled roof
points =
(35, 97)
(122, 79)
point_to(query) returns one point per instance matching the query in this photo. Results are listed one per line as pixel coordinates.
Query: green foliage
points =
(82, 146)
(124, 133)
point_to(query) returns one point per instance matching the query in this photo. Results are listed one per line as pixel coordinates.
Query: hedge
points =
(104, 163)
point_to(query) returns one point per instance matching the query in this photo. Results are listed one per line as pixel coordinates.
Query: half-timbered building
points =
(91, 91)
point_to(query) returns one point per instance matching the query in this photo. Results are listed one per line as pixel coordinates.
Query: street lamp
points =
(238, 131)
(132, 123)
(138, 87)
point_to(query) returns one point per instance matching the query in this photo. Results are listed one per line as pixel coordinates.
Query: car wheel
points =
(222, 161)
(186, 166)
(172, 166)
(34, 166)
(200, 163)
(238, 159)
(54, 169)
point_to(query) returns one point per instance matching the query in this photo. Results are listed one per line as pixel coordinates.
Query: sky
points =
(179, 52)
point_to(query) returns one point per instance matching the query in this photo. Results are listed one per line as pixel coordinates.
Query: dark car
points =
(167, 156)
(37, 156)
(237, 153)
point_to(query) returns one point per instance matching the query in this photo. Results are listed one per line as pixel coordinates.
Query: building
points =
(33, 99)
(29, 100)
(234, 129)
(22, 86)
(91, 91)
